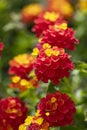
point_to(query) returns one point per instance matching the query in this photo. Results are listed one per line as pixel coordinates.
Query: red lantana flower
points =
(1, 48)
(57, 109)
(60, 35)
(44, 21)
(12, 113)
(52, 63)
(22, 74)
(21, 65)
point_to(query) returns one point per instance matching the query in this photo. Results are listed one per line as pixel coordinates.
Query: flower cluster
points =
(1, 48)
(21, 69)
(61, 36)
(12, 113)
(52, 63)
(62, 6)
(30, 12)
(55, 109)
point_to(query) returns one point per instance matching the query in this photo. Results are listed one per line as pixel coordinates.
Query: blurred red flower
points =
(12, 113)
(1, 48)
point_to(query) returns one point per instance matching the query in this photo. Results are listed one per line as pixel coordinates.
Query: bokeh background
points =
(16, 34)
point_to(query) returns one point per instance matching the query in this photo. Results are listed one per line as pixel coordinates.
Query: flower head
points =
(60, 35)
(45, 20)
(30, 12)
(12, 113)
(52, 63)
(21, 65)
(21, 69)
(61, 6)
(57, 109)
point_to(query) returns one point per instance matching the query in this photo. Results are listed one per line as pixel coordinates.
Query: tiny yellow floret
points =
(53, 99)
(37, 113)
(39, 120)
(22, 127)
(28, 120)
(24, 82)
(48, 52)
(61, 26)
(56, 53)
(47, 113)
(35, 52)
(15, 79)
(46, 46)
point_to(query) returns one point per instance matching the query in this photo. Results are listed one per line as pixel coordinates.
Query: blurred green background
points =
(18, 38)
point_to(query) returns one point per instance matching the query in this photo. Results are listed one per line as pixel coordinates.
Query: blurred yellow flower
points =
(61, 6)
(30, 12)
(83, 5)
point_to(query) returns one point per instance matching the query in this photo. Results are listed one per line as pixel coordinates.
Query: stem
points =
(51, 88)
(55, 128)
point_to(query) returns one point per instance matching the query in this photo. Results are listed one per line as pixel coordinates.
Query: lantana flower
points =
(21, 65)
(12, 113)
(52, 63)
(57, 109)
(60, 35)
(45, 20)
(64, 7)
(30, 12)
(21, 71)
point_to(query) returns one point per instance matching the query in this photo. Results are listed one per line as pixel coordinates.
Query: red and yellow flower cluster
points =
(1, 48)
(52, 63)
(21, 69)
(55, 109)
(12, 113)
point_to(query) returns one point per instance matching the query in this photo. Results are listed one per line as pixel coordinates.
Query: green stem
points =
(52, 88)
(55, 128)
